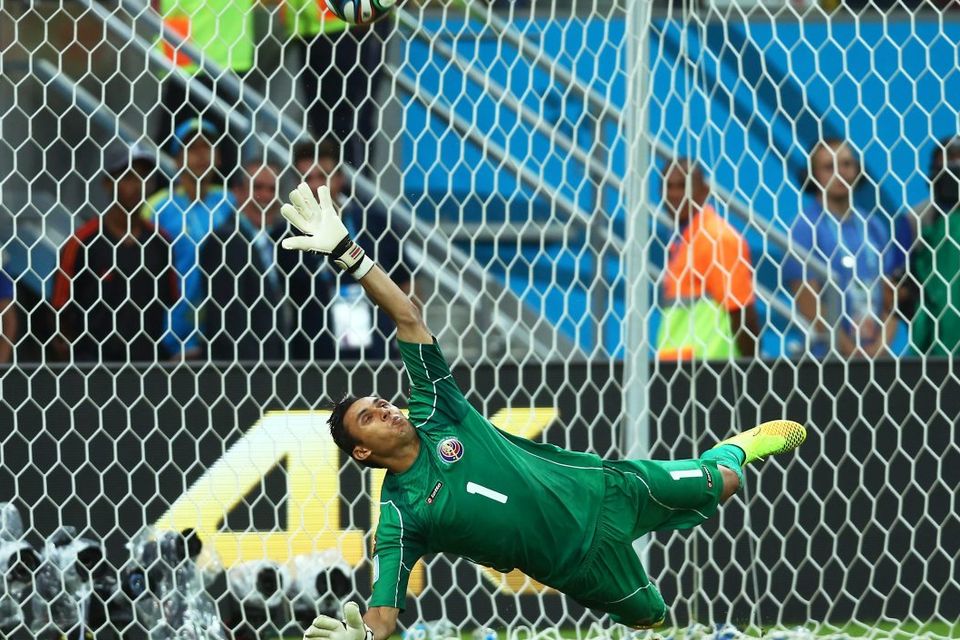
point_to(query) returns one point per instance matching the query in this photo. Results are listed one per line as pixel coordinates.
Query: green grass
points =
(880, 630)
(886, 630)
(903, 630)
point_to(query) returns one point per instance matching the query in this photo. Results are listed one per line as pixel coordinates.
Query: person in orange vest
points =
(342, 70)
(708, 297)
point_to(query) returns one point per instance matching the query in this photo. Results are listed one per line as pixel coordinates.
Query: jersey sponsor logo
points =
(450, 450)
(433, 494)
(706, 472)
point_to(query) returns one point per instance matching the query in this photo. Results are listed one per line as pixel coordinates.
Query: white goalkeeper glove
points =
(325, 233)
(350, 628)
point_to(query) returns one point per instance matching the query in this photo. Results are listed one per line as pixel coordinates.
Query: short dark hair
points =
(316, 151)
(691, 167)
(246, 169)
(941, 153)
(338, 430)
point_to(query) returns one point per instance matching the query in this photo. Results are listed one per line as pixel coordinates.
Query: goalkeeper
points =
(564, 518)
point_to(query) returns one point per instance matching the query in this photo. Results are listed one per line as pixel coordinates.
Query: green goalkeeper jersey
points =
(478, 492)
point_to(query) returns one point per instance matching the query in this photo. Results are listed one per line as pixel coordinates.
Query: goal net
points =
(635, 229)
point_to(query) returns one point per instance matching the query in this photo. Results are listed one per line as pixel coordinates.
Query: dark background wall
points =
(862, 523)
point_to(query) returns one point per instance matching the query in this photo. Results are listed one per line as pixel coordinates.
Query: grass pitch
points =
(882, 630)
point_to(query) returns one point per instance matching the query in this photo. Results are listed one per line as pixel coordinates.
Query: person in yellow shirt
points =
(708, 296)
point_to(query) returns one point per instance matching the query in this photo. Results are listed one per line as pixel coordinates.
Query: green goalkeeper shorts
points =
(641, 496)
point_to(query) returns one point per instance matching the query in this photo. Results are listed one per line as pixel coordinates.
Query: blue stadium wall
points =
(760, 94)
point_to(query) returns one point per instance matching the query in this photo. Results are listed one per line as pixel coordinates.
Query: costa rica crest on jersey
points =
(450, 450)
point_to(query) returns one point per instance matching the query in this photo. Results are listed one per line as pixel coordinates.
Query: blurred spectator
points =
(936, 259)
(115, 284)
(708, 295)
(223, 31)
(909, 229)
(924, 213)
(304, 272)
(853, 304)
(243, 317)
(187, 213)
(8, 316)
(341, 75)
(354, 328)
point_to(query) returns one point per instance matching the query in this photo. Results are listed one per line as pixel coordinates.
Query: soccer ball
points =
(360, 11)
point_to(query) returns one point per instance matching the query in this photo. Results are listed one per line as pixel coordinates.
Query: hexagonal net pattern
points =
(634, 228)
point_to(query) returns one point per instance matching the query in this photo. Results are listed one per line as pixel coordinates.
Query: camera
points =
(168, 590)
(260, 607)
(73, 584)
(321, 584)
(18, 564)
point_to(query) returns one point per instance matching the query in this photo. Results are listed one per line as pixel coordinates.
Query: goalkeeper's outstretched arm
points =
(325, 233)
(405, 314)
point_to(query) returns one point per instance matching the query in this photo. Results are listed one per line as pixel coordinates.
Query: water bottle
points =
(484, 633)
(418, 631)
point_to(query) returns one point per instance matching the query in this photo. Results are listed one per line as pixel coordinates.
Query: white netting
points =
(603, 208)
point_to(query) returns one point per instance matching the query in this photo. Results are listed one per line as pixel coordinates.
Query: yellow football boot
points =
(768, 439)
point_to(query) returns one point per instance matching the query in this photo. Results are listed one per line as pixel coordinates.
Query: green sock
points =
(729, 455)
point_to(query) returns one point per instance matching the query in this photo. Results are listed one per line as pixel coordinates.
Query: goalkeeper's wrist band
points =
(351, 258)
(367, 631)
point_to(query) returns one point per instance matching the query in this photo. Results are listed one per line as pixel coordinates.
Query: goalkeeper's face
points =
(378, 427)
